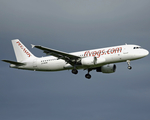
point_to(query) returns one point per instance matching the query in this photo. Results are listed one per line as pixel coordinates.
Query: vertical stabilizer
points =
(21, 52)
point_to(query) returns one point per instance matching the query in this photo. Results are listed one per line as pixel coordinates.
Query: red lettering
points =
(103, 52)
(120, 49)
(18, 43)
(28, 54)
(112, 51)
(87, 53)
(108, 51)
(98, 53)
(94, 53)
(21, 46)
(24, 50)
(117, 49)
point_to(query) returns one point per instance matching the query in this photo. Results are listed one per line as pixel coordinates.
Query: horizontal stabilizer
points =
(13, 62)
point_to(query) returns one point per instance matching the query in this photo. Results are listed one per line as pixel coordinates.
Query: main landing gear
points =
(88, 76)
(74, 71)
(129, 67)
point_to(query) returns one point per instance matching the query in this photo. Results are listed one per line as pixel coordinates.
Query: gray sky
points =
(73, 26)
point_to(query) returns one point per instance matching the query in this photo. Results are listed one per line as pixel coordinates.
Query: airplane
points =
(101, 60)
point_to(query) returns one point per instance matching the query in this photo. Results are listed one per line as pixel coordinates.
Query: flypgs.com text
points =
(103, 52)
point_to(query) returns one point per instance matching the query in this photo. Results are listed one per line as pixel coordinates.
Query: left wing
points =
(69, 58)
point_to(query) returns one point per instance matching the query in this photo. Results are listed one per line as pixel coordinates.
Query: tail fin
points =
(21, 52)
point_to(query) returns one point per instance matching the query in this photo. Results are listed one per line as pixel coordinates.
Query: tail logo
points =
(23, 48)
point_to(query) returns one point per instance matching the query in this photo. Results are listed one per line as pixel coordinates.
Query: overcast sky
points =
(74, 25)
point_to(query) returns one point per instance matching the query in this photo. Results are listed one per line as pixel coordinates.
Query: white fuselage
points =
(113, 54)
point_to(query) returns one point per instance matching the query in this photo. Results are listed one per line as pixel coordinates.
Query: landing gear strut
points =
(88, 76)
(129, 67)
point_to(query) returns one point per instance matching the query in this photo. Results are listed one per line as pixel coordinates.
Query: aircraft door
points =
(125, 51)
(125, 54)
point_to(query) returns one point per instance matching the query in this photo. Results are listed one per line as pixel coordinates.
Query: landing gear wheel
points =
(88, 76)
(74, 71)
(129, 67)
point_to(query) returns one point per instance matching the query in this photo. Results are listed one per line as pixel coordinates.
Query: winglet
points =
(32, 45)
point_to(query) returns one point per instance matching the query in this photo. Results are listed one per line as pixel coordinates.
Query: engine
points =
(109, 68)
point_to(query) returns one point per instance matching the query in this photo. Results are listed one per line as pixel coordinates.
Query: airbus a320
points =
(101, 59)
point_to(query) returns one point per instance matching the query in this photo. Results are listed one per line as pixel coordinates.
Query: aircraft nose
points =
(145, 52)
(141, 53)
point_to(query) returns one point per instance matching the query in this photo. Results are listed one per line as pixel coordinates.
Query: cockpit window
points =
(137, 48)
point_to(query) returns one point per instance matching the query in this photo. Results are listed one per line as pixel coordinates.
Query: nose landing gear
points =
(129, 67)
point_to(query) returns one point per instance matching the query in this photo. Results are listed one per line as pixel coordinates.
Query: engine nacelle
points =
(109, 68)
(88, 61)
